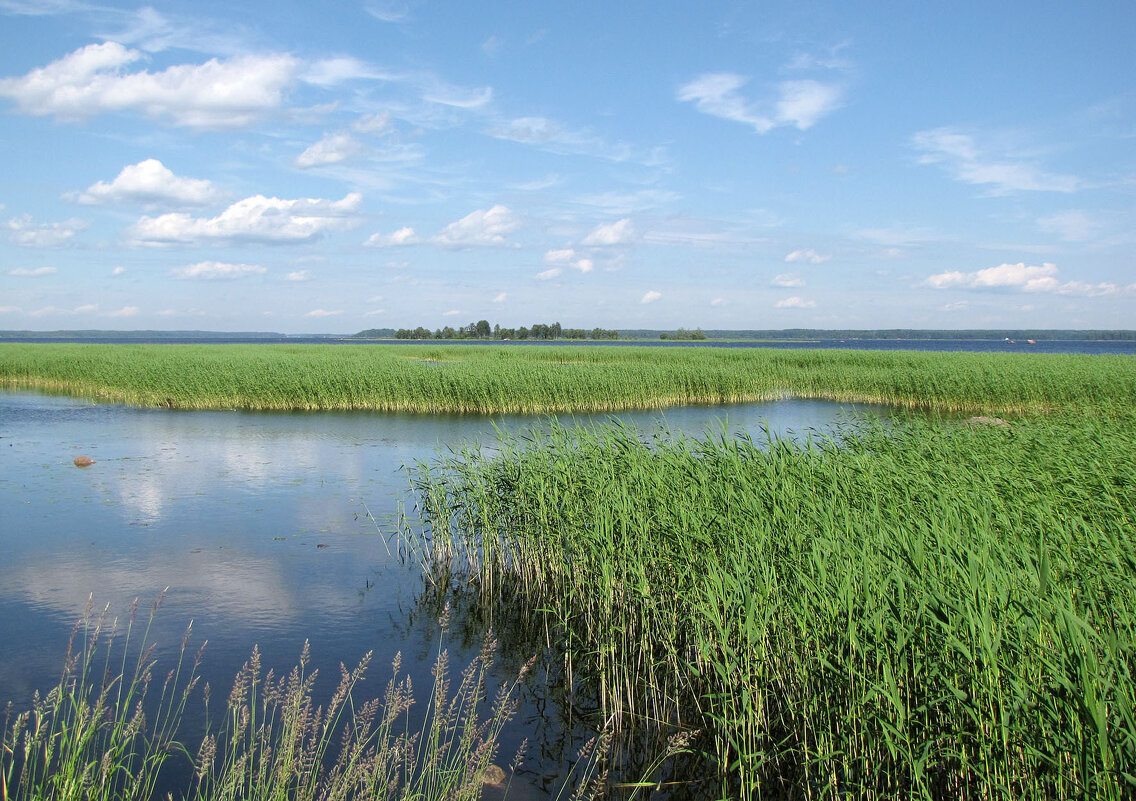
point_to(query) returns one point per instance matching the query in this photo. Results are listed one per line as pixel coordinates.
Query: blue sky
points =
(304, 167)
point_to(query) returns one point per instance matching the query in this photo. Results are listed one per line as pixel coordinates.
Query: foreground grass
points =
(934, 610)
(101, 734)
(495, 380)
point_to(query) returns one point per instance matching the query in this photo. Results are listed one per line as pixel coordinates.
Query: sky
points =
(332, 167)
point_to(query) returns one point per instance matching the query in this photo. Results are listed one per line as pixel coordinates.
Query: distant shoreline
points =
(625, 335)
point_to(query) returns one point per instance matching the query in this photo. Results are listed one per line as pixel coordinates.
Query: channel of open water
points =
(267, 528)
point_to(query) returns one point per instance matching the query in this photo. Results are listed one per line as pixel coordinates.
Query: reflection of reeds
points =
(492, 380)
(99, 734)
(925, 610)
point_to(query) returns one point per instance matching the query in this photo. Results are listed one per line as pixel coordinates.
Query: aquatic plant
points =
(502, 379)
(926, 609)
(98, 733)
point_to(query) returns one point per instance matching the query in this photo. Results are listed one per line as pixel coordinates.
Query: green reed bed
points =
(930, 609)
(504, 379)
(100, 733)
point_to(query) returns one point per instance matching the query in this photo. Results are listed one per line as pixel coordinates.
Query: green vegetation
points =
(97, 734)
(684, 334)
(481, 330)
(491, 380)
(929, 609)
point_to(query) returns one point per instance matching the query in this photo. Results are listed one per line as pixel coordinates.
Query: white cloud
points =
(800, 103)
(125, 311)
(718, 302)
(118, 271)
(552, 272)
(30, 234)
(214, 270)
(788, 280)
(217, 94)
(1072, 226)
(332, 149)
(150, 182)
(254, 219)
(329, 72)
(795, 303)
(807, 256)
(298, 275)
(86, 307)
(35, 271)
(451, 313)
(960, 155)
(562, 256)
(481, 227)
(1019, 277)
(803, 103)
(620, 232)
(403, 236)
(566, 257)
(374, 312)
(323, 313)
(458, 97)
(501, 298)
(650, 296)
(379, 123)
(548, 135)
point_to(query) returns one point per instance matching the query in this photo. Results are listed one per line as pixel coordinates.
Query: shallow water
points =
(266, 528)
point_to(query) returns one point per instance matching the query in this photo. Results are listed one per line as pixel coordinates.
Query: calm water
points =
(258, 524)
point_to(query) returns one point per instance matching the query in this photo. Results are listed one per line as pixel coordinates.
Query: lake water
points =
(267, 528)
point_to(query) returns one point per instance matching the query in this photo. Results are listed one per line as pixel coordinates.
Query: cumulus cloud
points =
(403, 236)
(620, 232)
(332, 149)
(481, 227)
(254, 219)
(799, 103)
(323, 313)
(552, 272)
(650, 296)
(125, 311)
(501, 297)
(26, 232)
(788, 280)
(232, 93)
(451, 313)
(1019, 277)
(214, 270)
(33, 271)
(298, 275)
(151, 183)
(807, 256)
(567, 257)
(960, 155)
(795, 303)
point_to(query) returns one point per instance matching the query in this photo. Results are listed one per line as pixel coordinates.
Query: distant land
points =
(778, 335)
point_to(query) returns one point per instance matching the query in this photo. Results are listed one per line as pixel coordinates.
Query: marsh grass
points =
(925, 610)
(501, 379)
(100, 733)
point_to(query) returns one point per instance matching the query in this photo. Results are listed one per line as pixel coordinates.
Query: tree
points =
(482, 330)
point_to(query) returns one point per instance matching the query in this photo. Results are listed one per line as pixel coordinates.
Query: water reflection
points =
(258, 524)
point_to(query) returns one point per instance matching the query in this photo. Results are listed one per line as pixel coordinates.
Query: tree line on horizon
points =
(482, 330)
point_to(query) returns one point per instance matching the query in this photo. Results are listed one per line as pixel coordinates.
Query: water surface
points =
(267, 528)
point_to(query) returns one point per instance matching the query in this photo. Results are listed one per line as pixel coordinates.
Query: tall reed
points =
(925, 610)
(468, 379)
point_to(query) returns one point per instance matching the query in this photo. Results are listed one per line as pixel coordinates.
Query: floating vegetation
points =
(926, 610)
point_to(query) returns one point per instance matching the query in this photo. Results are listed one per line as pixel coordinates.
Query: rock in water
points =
(84, 461)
